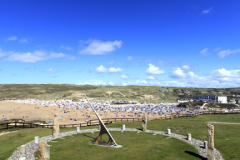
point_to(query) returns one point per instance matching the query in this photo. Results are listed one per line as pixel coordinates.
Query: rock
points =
(78, 129)
(43, 151)
(144, 123)
(55, 126)
(189, 137)
(23, 149)
(210, 135)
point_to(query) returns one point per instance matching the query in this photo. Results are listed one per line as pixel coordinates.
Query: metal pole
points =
(101, 121)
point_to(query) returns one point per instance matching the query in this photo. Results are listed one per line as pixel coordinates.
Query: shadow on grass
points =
(89, 136)
(196, 155)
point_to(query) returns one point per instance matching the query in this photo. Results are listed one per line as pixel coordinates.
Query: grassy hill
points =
(135, 93)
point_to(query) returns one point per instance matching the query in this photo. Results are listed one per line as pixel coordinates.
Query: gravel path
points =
(31, 147)
(224, 122)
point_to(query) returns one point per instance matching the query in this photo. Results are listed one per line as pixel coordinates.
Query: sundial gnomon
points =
(103, 130)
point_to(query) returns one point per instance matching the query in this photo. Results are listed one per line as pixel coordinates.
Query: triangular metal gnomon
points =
(99, 138)
(103, 130)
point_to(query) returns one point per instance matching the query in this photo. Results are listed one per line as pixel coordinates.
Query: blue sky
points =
(188, 43)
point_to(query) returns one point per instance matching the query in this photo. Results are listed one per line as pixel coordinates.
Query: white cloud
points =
(66, 47)
(101, 69)
(138, 82)
(124, 77)
(154, 70)
(95, 82)
(177, 73)
(97, 47)
(225, 53)
(114, 70)
(13, 38)
(206, 11)
(51, 70)
(124, 84)
(149, 78)
(130, 58)
(110, 83)
(224, 73)
(215, 78)
(204, 52)
(23, 40)
(32, 57)
(185, 67)
(190, 73)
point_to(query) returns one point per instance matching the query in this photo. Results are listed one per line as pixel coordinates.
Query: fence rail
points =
(94, 122)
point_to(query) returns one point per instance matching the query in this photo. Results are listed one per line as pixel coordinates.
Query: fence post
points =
(121, 119)
(7, 125)
(15, 125)
(127, 119)
(23, 125)
(115, 120)
(133, 119)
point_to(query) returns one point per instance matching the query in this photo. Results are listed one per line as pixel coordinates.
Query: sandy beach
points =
(68, 115)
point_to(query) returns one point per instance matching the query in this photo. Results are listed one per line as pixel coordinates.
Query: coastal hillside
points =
(134, 93)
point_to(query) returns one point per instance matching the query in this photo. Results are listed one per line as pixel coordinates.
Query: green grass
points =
(221, 105)
(10, 142)
(226, 136)
(135, 146)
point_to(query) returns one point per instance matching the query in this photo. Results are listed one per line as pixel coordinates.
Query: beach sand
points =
(13, 110)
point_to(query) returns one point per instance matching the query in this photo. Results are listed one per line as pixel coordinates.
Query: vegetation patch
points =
(135, 146)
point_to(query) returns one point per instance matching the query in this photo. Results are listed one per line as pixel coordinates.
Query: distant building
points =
(122, 102)
(232, 101)
(184, 100)
(210, 98)
(75, 100)
(236, 95)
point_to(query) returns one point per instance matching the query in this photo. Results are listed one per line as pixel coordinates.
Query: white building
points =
(222, 99)
(210, 98)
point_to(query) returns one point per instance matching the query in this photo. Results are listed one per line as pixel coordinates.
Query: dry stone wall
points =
(31, 147)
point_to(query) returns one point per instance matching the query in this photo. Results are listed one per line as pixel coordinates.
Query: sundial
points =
(104, 130)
